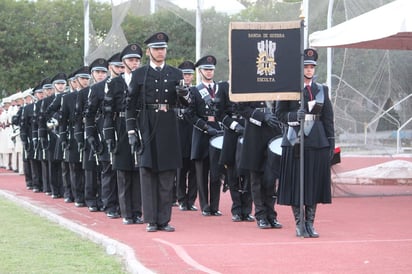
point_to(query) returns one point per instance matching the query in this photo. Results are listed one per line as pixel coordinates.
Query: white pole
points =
(152, 6)
(329, 51)
(198, 33)
(86, 30)
(305, 7)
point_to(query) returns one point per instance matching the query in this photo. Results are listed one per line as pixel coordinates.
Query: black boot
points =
(300, 230)
(310, 212)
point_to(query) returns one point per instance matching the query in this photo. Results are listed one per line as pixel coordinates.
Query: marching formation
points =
(133, 140)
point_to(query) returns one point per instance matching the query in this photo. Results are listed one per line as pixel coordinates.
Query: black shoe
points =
(68, 200)
(29, 187)
(138, 220)
(206, 213)
(56, 196)
(93, 208)
(182, 207)
(79, 204)
(112, 214)
(175, 204)
(236, 218)
(192, 208)
(275, 224)
(167, 228)
(48, 193)
(263, 224)
(36, 190)
(216, 213)
(151, 227)
(128, 221)
(248, 218)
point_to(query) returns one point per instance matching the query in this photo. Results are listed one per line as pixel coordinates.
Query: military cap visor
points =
(206, 62)
(59, 81)
(310, 56)
(83, 75)
(157, 40)
(187, 71)
(131, 55)
(187, 67)
(117, 64)
(47, 86)
(99, 69)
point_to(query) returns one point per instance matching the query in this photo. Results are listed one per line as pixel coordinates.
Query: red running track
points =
(357, 235)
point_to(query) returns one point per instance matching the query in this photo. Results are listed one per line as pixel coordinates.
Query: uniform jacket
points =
(72, 154)
(26, 135)
(199, 113)
(94, 119)
(89, 160)
(161, 145)
(54, 111)
(114, 127)
(322, 133)
(257, 135)
(228, 115)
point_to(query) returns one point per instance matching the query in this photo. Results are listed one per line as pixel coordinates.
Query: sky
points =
(227, 6)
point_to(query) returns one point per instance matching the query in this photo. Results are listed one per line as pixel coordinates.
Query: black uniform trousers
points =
(67, 191)
(55, 178)
(263, 194)
(130, 200)
(77, 181)
(157, 191)
(208, 183)
(186, 183)
(92, 188)
(109, 192)
(27, 173)
(45, 176)
(240, 192)
(35, 166)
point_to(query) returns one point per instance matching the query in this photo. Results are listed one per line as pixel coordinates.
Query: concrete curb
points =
(112, 247)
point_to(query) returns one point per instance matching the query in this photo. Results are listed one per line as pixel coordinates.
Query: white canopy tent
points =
(387, 27)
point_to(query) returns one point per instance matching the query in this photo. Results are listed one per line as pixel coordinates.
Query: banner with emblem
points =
(265, 61)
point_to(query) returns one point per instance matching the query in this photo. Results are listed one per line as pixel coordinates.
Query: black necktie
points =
(158, 68)
(211, 92)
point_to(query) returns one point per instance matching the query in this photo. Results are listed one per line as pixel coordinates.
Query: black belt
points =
(264, 110)
(237, 117)
(121, 114)
(163, 107)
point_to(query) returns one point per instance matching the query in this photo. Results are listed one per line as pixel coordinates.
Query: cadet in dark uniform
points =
(319, 144)
(39, 162)
(95, 138)
(202, 114)
(44, 153)
(128, 181)
(239, 182)
(94, 150)
(89, 159)
(261, 127)
(186, 188)
(48, 130)
(150, 114)
(72, 153)
(27, 140)
(54, 111)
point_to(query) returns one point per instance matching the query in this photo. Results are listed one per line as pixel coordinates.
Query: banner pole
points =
(301, 158)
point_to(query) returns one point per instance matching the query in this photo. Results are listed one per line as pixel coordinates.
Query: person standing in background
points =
(186, 188)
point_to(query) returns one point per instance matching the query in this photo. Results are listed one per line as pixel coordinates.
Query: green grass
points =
(32, 244)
